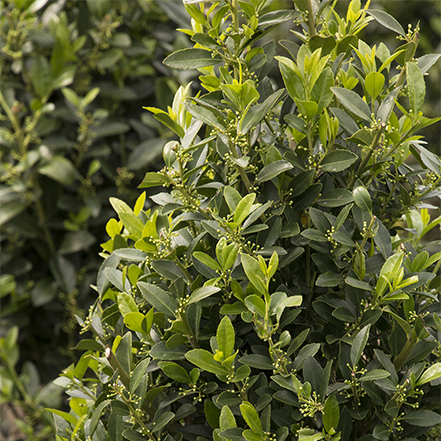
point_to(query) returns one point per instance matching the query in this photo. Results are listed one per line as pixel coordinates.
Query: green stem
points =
(401, 358)
(311, 24)
(14, 122)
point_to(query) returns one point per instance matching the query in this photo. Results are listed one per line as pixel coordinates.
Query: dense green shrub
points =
(74, 77)
(280, 289)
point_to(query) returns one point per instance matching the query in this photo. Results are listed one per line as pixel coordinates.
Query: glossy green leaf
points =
(359, 344)
(204, 360)
(251, 417)
(202, 293)
(336, 198)
(374, 83)
(338, 160)
(158, 298)
(353, 102)
(362, 198)
(416, 87)
(273, 169)
(191, 58)
(225, 337)
(331, 413)
(386, 20)
(174, 371)
(243, 208)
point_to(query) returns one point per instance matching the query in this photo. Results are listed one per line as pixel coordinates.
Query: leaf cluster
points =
(281, 287)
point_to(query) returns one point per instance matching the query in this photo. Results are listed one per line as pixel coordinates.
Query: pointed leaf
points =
(191, 58)
(359, 344)
(353, 102)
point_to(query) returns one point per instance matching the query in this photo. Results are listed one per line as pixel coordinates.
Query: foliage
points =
(281, 287)
(73, 132)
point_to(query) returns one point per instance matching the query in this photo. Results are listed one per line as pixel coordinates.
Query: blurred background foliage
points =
(74, 78)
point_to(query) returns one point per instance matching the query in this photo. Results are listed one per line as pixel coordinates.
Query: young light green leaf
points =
(243, 208)
(204, 360)
(225, 337)
(432, 373)
(255, 304)
(226, 419)
(251, 417)
(374, 82)
(254, 273)
(207, 260)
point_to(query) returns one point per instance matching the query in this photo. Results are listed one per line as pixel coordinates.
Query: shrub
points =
(281, 287)
(74, 78)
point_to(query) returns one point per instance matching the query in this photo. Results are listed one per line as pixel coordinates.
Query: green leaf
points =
(175, 372)
(60, 169)
(362, 198)
(204, 360)
(207, 260)
(359, 284)
(416, 87)
(329, 279)
(202, 293)
(130, 254)
(243, 208)
(338, 160)
(308, 109)
(331, 413)
(374, 82)
(307, 351)
(257, 361)
(387, 21)
(422, 418)
(152, 179)
(205, 115)
(381, 432)
(137, 374)
(272, 170)
(276, 17)
(165, 118)
(353, 102)
(292, 78)
(225, 337)
(375, 374)
(132, 223)
(41, 76)
(256, 113)
(359, 344)
(251, 417)
(162, 421)
(137, 322)
(191, 58)
(226, 419)
(254, 273)
(388, 104)
(432, 373)
(321, 92)
(336, 198)
(255, 304)
(162, 300)
(212, 414)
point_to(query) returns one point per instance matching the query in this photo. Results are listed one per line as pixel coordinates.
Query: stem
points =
(401, 358)
(368, 155)
(311, 24)
(14, 122)
(193, 340)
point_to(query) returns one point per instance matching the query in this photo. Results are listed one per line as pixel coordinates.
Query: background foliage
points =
(74, 78)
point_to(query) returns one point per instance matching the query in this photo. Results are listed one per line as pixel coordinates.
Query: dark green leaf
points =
(336, 198)
(359, 344)
(272, 170)
(163, 301)
(338, 160)
(353, 102)
(191, 58)
(387, 21)
(422, 418)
